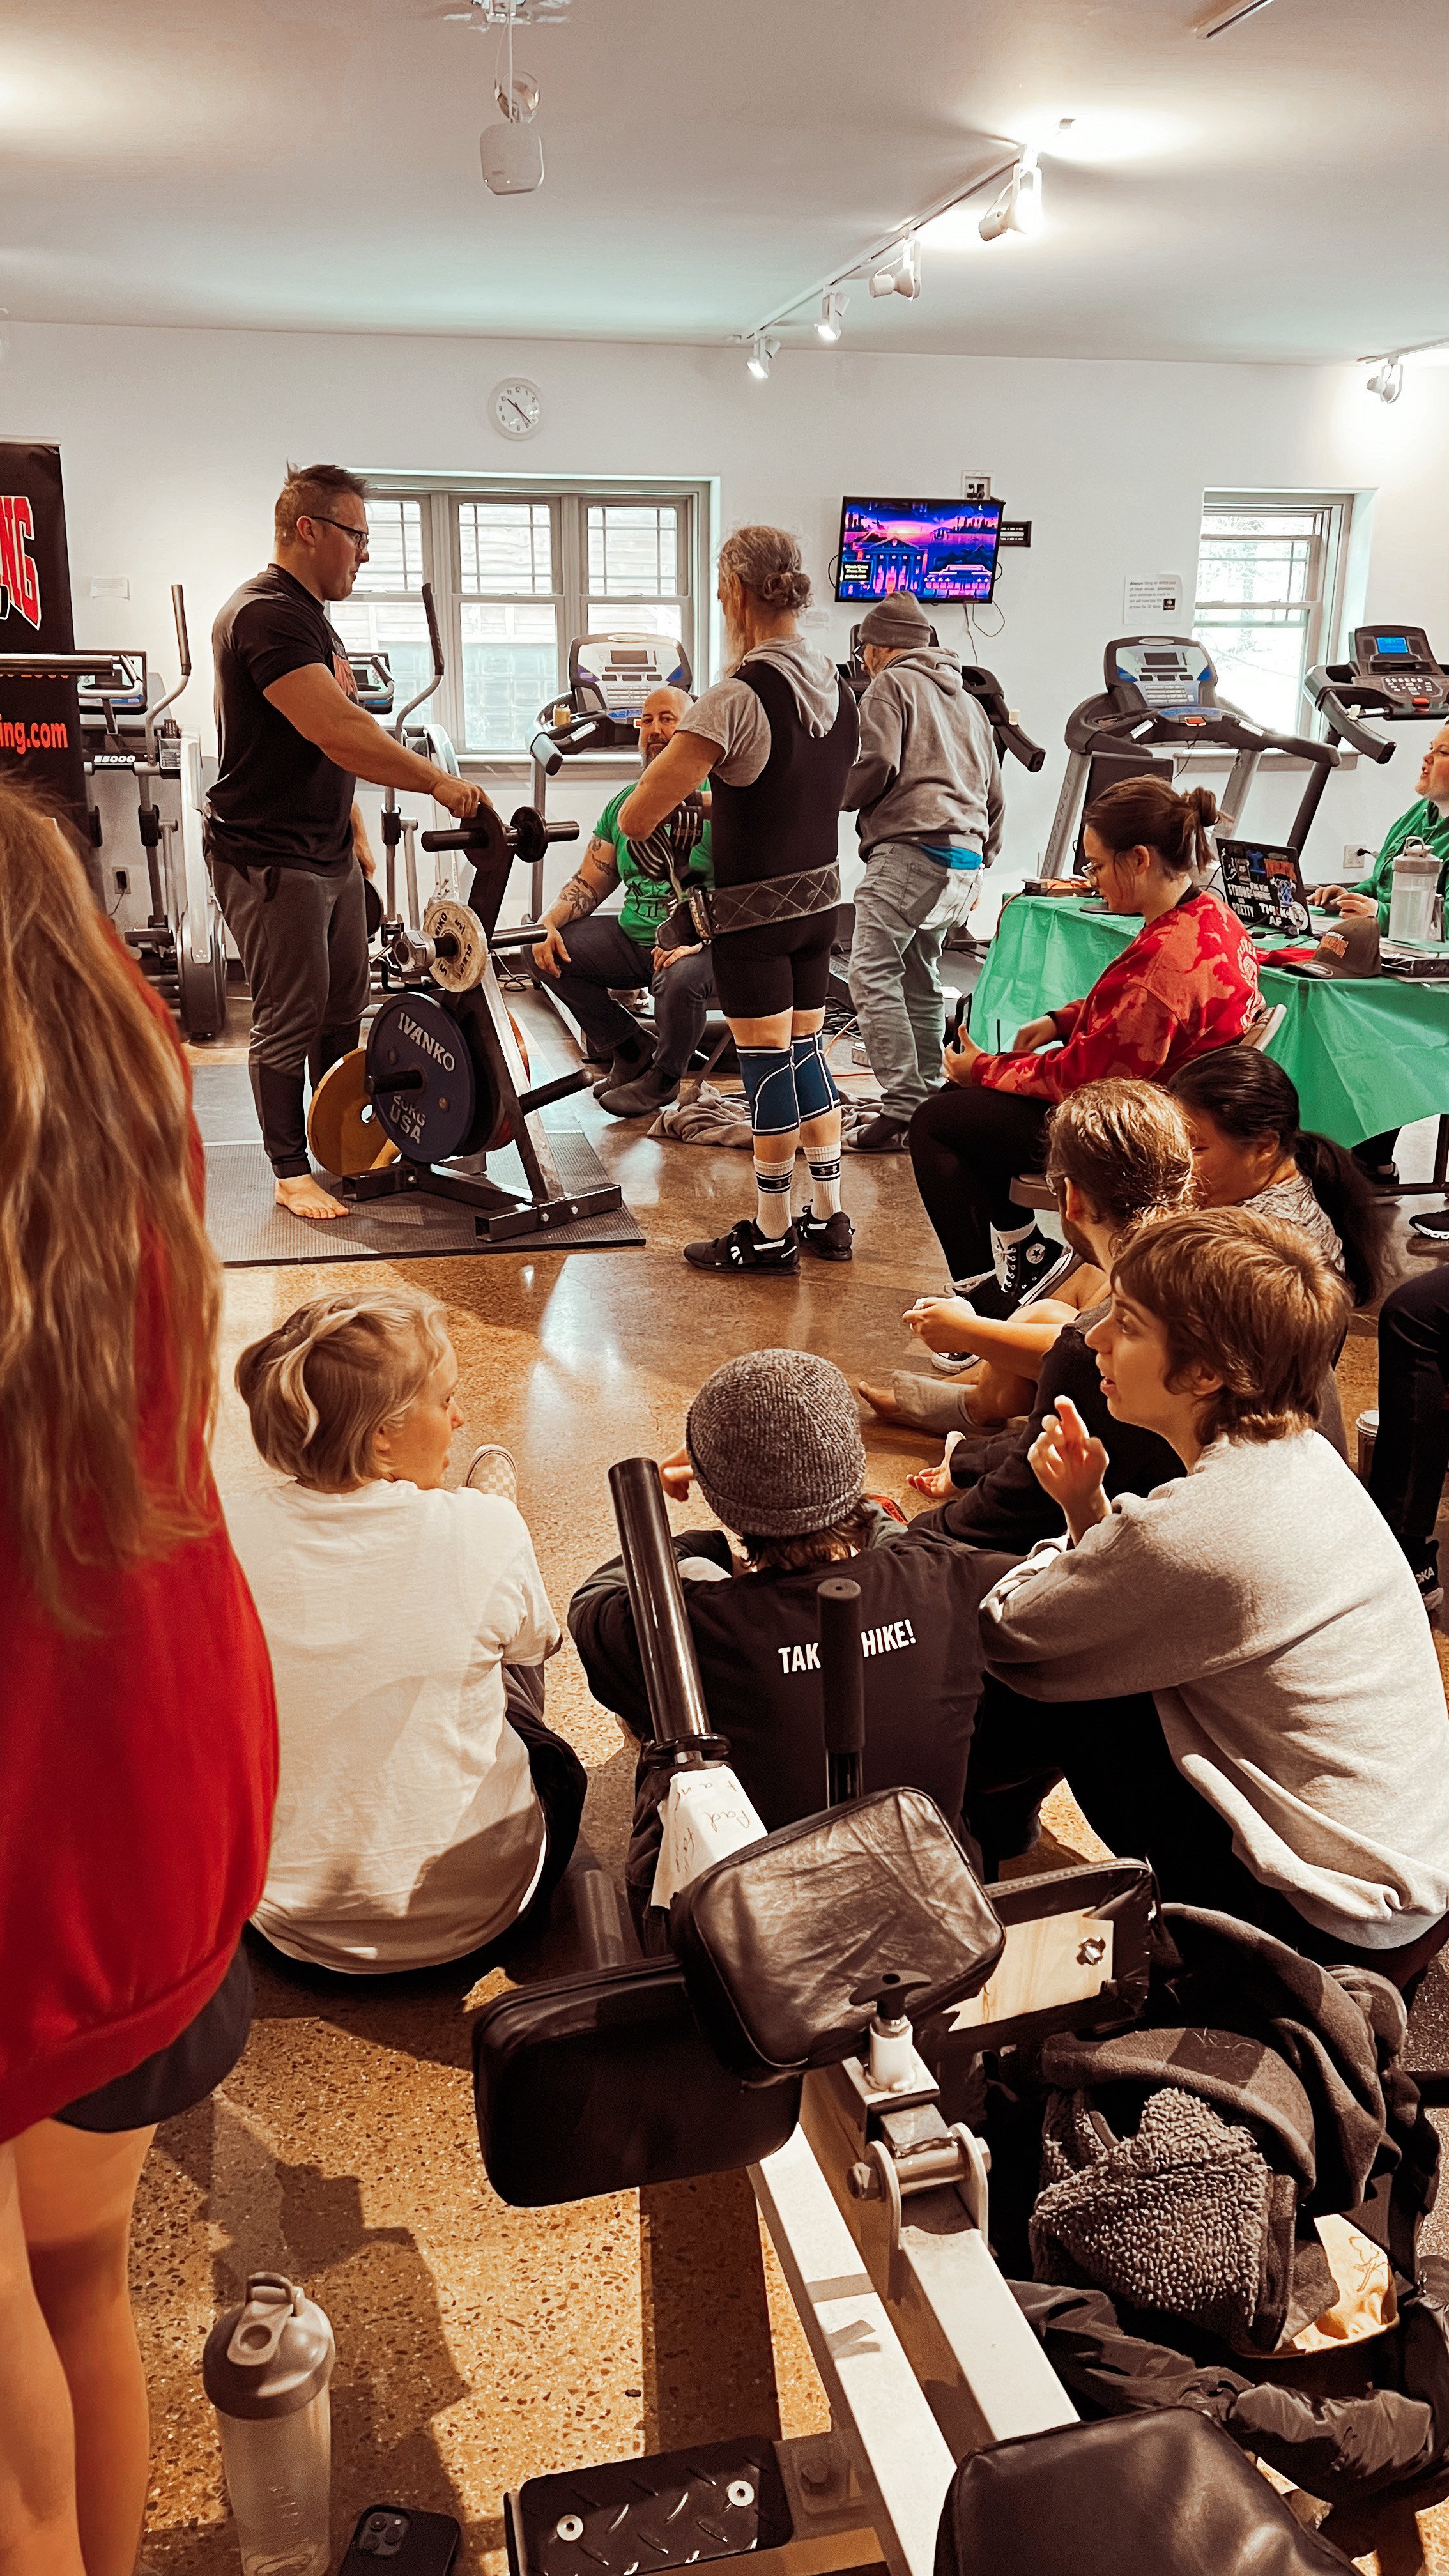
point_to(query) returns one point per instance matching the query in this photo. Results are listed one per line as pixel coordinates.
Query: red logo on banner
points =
(18, 576)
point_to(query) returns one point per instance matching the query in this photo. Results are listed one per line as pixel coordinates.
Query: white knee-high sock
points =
(824, 1183)
(772, 1192)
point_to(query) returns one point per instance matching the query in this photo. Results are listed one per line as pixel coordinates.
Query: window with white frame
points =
(1269, 596)
(516, 576)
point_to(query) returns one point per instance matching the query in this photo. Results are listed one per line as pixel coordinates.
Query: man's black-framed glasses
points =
(359, 536)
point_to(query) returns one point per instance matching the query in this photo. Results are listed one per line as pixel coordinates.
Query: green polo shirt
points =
(1423, 822)
(648, 901)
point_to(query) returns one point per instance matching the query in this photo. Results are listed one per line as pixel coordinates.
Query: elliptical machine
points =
(1160, 695)
(180, 942)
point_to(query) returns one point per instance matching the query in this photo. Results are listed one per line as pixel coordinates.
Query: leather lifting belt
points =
(716, 910)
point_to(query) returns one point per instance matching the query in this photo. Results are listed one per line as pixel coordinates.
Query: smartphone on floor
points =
(393, 2540)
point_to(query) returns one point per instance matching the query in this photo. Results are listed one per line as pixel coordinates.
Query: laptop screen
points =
(1264, 886)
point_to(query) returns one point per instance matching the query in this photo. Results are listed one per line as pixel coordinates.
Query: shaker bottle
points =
(1415, 885)
(265, 2369)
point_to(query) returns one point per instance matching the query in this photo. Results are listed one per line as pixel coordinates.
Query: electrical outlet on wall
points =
(975, 487)
(123, 880)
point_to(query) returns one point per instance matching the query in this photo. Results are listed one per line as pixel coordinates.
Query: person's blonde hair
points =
(109, 1287)
(1250, 1300)
(1126, 1145)
(766, 562)
(339, 1370)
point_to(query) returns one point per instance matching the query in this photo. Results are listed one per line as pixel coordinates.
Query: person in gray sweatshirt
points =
(927, 787)
(1235, 1672)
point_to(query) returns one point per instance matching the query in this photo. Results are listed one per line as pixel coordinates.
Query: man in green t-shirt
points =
(607, 953)
(1426, 821)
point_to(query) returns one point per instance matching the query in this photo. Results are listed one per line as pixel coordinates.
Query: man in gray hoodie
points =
(927, 785)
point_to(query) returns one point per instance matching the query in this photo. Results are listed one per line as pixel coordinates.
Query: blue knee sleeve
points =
(768, 1074)
(814, 1083)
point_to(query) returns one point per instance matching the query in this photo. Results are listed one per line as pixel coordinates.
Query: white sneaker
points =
(491, 1470)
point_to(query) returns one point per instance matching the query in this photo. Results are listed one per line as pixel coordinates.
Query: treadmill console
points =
(612, 675)
(1169, 673)
(1400, 661)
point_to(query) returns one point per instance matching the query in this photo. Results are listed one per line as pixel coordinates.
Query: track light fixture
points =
(763, 349)
(1018, 208)
(832, 315)
(1387, 380)
(905, 277)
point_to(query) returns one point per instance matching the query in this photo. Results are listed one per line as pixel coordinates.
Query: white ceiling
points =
(1280, 192)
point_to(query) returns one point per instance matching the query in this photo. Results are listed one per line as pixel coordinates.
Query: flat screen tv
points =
(935, 549)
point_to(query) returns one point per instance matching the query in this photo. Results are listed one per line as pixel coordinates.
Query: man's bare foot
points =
(305, 1196)
(881, 1400)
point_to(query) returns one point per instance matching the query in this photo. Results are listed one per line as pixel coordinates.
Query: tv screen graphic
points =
(934, 549)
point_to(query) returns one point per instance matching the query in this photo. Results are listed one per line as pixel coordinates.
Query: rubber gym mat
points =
(250, 1231)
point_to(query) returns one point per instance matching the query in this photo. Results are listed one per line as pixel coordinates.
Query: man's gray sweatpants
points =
(895, 980)
(303, 942)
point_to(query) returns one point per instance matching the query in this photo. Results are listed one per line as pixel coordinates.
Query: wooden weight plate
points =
(342, 1129)
(416, 1042)
(463, 966)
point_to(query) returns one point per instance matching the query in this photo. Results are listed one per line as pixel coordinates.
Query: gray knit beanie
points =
(774, 1437)
(896, 622)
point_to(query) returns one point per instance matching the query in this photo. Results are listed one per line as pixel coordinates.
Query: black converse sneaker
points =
(1423, 1556)
(1025, 1270)
(745, 1248)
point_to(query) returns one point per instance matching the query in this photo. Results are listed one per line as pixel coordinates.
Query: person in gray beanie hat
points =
(927, 787)
(773, 1442)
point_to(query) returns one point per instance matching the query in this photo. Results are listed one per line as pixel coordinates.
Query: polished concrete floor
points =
(479, 2345)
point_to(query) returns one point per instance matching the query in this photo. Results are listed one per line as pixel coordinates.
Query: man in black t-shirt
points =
(285, 838)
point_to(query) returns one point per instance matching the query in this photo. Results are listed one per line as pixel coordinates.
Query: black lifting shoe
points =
(745, 1248)
(828, 1237)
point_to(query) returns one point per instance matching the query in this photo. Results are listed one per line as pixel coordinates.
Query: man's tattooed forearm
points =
(576, 899)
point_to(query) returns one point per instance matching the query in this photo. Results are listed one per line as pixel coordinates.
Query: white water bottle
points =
(1415, 884)
(266, 2370)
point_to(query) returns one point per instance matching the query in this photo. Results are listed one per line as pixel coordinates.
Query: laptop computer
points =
(1263, 884)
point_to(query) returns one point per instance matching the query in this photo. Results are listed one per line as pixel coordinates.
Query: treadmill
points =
(1161, 696)
(1394, 677)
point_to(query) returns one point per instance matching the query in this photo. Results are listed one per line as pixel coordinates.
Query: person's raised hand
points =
(460, 797)
(676, 1475)
(1069, 1465)
(550, 953)
(1036, 1033)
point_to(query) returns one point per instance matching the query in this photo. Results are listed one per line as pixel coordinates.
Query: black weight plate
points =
(415, 1034)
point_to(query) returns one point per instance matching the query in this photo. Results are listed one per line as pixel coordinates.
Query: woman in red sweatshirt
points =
(1187, 983)
(137, 1722)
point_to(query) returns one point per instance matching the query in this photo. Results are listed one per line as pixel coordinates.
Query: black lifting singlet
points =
(788, 819)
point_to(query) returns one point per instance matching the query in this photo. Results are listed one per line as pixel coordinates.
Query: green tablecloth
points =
(1365, 1056)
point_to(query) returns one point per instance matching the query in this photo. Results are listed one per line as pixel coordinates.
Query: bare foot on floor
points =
(305, 1196)
(881, 1400)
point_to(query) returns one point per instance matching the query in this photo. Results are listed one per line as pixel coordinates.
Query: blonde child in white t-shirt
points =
(423, 1804)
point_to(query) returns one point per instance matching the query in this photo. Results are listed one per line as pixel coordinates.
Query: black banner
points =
(40, 732)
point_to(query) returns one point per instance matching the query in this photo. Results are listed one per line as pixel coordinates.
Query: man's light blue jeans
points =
(895, 972)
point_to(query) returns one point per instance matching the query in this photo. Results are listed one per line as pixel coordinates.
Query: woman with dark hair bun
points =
(1242, 1113)
(1187, 983)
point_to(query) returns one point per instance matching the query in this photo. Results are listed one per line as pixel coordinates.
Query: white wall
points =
(173, 443)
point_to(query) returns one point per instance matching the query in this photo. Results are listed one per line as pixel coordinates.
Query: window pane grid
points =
(633, 549)
(394, 549)
(1264, 576)
(506, 547)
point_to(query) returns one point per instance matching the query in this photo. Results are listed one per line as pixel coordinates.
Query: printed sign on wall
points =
(40, 731)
